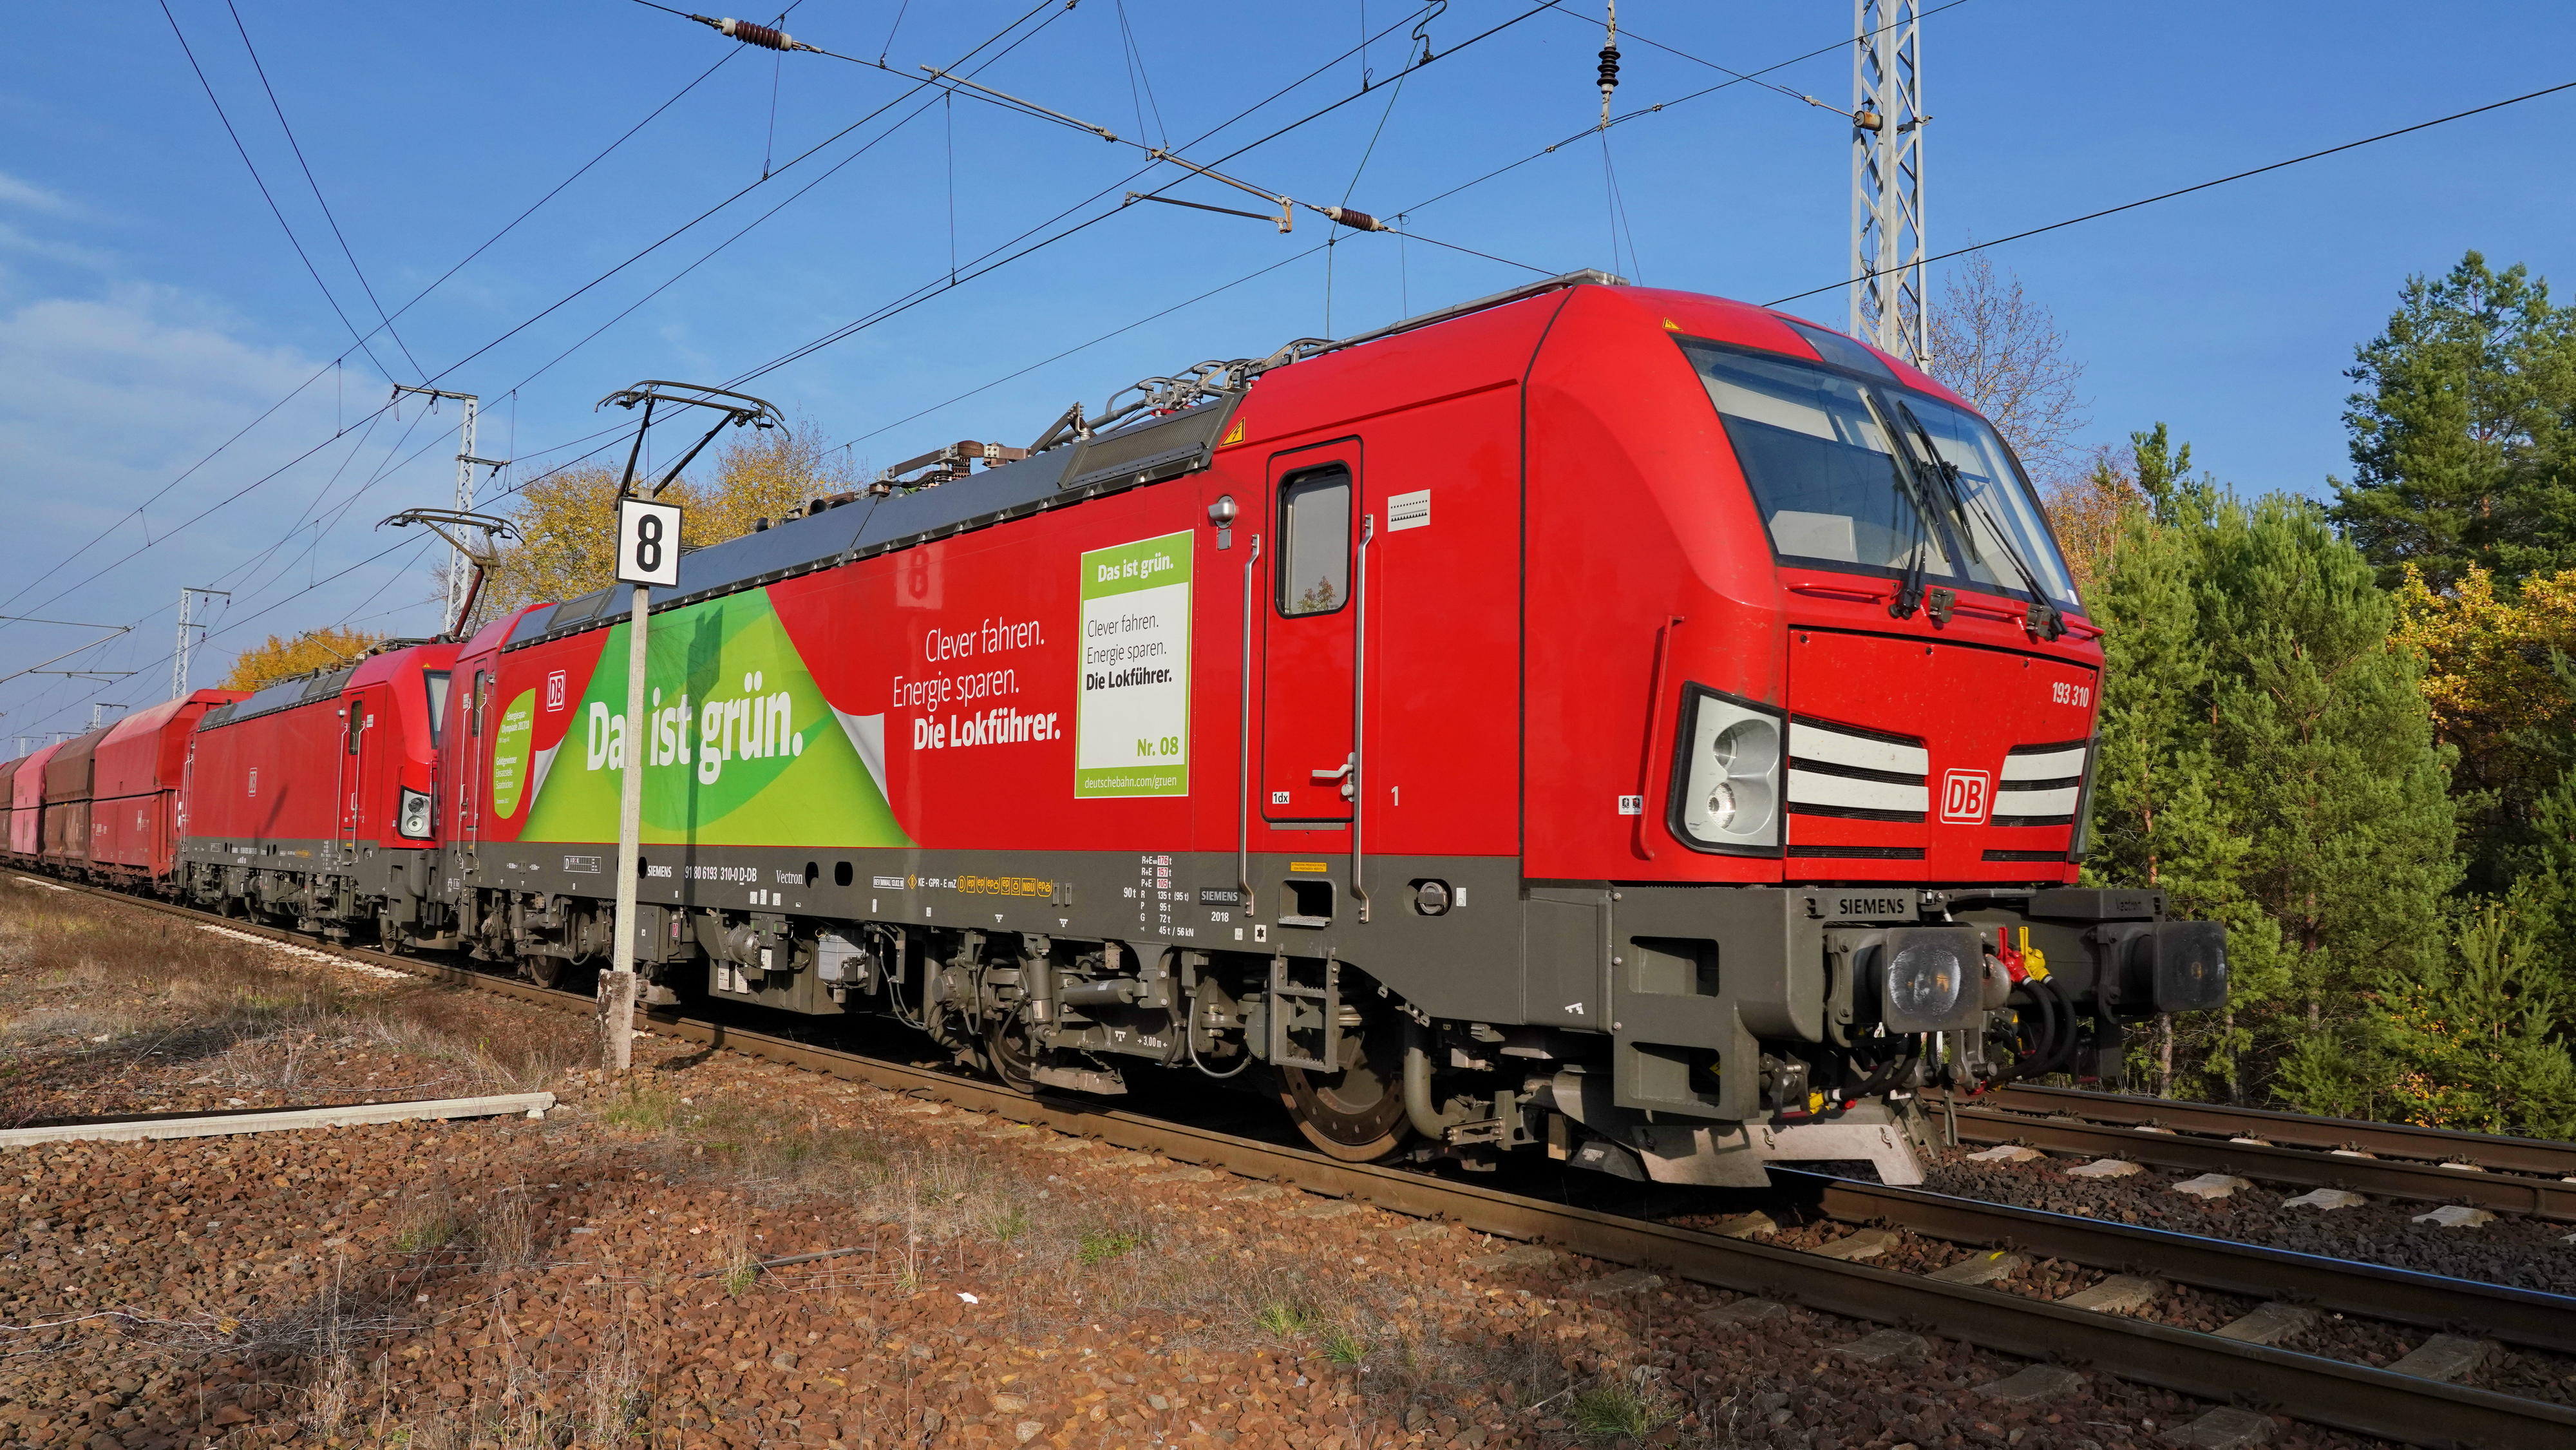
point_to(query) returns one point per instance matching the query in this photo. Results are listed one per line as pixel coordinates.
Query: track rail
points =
(2295, 1130)
(2328, 1392)
(2526, 1317)
(2389, 1178)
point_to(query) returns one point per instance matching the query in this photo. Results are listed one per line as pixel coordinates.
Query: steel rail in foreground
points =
(2427, 1182)
(2293, 1130)
(2527, 1317)
(2333, 1393)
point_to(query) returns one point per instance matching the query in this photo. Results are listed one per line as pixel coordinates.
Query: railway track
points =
(2529, 1318)
(2505, 1175)
(2352, 1397)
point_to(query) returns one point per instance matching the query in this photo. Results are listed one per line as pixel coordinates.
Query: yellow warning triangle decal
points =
(1671, 326)
(1233, 434)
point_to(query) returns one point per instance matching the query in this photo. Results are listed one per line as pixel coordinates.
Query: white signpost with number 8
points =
(648, 542)
(648, 554)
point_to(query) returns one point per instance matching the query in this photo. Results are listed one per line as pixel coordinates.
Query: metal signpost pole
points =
(617, 989)
(648, 553)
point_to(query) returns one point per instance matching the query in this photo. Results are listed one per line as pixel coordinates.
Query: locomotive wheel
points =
(1006, 1052)
(1357, 1114)
(544, 971)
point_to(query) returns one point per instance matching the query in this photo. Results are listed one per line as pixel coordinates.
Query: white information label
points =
(1132, 728)
(1408, 511)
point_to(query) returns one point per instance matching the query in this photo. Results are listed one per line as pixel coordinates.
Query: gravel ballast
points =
(595, 1278)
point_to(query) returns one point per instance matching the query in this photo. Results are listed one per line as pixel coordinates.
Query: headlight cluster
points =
(414, 821)
(1727, 780)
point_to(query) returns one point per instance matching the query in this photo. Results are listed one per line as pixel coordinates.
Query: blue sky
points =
(151, 306)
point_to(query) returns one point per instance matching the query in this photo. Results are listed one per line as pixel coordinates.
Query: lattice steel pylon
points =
(460, 567)
(1887, 178)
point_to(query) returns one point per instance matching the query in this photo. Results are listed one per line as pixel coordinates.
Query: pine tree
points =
(2464, 430)
(2266, 759)
(2471, 1045)
(2330, 767)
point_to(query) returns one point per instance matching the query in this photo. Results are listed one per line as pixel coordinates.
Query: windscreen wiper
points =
(2045, 621)
(1909, 581)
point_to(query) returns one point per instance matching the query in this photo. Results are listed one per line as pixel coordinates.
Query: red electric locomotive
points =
(311, 801)
(1591, 717)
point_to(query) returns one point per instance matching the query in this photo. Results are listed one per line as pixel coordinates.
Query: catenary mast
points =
(1887, 178)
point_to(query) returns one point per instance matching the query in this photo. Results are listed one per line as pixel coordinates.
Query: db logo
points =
(555, 690)
(1964, 795)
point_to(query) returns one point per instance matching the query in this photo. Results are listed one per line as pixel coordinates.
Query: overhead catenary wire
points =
(1002, 261)
(1138, 80)
(1402, 234)
(513, 331)
(1561, 7)
(810, 184)
(1366, 152)
(2206, 185)
(1424, 14)
(1737, 78)
(666, 238)
(918, 295)
(316, 186)
(1023, 106)
(138, 512)
(262, 183)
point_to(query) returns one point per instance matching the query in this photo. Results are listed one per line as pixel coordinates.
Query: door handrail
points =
(1359, 709)
(1243, 751)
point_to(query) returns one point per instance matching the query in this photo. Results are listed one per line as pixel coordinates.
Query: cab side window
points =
(1315, 534)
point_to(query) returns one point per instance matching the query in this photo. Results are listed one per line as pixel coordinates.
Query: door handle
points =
(1327, 777)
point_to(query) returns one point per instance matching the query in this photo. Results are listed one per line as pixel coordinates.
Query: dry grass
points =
(605, 1405)
(92, 995)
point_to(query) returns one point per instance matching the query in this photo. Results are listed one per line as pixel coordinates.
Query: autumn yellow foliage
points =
(2488, 673)
(567, 521)
(2086, 513)
(282, 657)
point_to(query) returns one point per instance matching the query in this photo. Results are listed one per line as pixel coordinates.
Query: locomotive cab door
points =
(1310, 635)
(359, 717)
(468, 784)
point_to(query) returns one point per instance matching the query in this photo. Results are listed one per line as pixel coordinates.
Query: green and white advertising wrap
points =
(741, 748)
(1132, 727)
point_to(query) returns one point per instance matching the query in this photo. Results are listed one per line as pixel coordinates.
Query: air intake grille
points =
(2041, 785)
(1856, 774)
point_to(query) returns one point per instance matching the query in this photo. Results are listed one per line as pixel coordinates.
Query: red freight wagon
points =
(8, 801)
(135, 810)
(68, 781)
(1594, 716)
(312, 800)
(27, 803)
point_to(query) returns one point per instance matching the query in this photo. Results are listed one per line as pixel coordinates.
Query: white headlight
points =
(415, 815)
(1729, 795)
(1721, 805)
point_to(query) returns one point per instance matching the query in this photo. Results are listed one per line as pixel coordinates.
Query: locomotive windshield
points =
(1873, 479)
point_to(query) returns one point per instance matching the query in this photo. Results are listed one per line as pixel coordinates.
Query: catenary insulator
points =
(1359, 220)
(753, 33)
